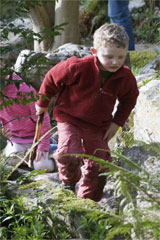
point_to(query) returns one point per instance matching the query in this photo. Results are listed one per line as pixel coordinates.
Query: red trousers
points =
(81, 140)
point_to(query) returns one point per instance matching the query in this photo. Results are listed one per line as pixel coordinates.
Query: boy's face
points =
(111, 58)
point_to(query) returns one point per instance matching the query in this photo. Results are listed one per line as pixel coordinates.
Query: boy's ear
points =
(94, 51)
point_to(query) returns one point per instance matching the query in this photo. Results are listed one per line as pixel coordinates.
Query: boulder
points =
(144, 77)
(33, 66)
(134, 4)
(152, 67)
(147, 113)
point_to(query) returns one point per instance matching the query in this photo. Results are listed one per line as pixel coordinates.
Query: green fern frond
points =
(153, 148)
(129, 162)
(124, 230)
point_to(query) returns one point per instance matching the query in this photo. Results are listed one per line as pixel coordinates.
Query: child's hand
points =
(40, 110)
(42, 161)
(6, 132)
(113, 128)
(40, 154)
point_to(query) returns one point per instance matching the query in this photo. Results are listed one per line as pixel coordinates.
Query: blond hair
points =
(110, 33)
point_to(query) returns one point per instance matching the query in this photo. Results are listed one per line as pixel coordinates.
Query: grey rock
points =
(134, 4)
(147, 113)
(152, 67)
(34, 76)
(143, 77)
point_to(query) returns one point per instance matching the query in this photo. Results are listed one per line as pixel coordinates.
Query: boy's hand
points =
(40, 154)
(111, 131)
(40, 110)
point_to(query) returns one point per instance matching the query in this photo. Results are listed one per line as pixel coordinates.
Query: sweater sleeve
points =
(127, 100)
(55, 80)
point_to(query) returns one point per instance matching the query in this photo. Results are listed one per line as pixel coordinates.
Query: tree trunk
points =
(42, 16)
(67, 11)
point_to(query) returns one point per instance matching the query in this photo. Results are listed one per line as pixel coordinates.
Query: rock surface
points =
(152, 67)
(147, 113)
(36, 76)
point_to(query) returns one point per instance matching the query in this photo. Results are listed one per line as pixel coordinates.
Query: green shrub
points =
(139, 59)
(145, 22)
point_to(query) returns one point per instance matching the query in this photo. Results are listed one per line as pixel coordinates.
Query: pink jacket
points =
(83, 99)
(23, 129)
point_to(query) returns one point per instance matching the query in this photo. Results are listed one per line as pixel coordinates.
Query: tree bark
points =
(67, 11)
(42, 16)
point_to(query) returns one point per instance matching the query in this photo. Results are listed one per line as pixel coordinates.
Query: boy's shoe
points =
(68, 187)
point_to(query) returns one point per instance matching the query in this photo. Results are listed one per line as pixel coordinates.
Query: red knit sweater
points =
(83, 100)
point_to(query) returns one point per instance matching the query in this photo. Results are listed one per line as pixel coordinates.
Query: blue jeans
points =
(118, 12)
(53, 145)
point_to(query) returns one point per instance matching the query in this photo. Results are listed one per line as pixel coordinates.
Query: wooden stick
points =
(32, 155)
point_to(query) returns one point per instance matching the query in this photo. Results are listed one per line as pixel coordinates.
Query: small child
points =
(18, 124)
(87, 91)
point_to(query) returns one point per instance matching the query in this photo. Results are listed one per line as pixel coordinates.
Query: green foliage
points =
(136, 70)
(93, 15)
(89, 217)
(13, 9)
(127, 186)
(145, 24)
(144, 82)
(18, 9)
(21, 222)
(145, 20)
(125, 137)
(152, 148)
(26, 177)
(18, 222)
(42, 221)
(3, 141)
(96, 226)
(139, 59)
(132, 187)
(4, 170)
(24, 98)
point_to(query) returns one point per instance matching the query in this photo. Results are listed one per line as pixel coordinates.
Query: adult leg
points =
(69, 141)
(93, 184)
(118, 12)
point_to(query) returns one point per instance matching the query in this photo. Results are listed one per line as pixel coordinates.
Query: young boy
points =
(19, 123)
(87, 91)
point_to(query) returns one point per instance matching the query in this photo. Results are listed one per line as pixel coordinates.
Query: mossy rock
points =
(71, 202)
(64, 206)
(139, 59)
(79, 214)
